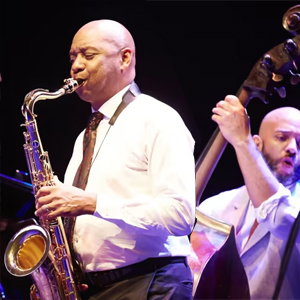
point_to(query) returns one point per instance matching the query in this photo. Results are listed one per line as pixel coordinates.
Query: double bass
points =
(214, 260)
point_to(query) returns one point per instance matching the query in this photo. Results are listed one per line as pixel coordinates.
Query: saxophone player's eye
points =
(71, 60)
(89, 56)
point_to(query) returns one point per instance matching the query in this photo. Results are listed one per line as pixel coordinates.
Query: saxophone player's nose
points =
(78, 65)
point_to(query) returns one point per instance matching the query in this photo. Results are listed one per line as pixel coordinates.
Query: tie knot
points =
(94, 120)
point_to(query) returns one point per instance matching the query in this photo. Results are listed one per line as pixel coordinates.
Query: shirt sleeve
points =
(279, 212)
(75, 160)
(170, 206)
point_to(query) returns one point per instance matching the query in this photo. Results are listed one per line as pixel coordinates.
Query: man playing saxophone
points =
(131, 180)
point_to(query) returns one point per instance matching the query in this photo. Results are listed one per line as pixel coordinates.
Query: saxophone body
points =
(41, 250)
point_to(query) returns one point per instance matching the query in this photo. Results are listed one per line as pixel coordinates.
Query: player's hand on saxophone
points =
(62, 200)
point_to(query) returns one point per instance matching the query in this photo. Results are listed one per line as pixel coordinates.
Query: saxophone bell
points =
(27, 250)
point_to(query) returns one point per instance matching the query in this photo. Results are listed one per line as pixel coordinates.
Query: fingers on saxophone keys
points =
(38, 203)
(42, 211)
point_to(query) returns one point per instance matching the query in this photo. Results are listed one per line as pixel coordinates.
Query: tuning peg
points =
(291, 47)
(268, 65)
(281, 91)
(295, 78)
(277, 77)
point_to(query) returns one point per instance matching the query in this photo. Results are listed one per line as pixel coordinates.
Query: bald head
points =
(110, 31)
(279, 117)
(103, 57)
(113, 33)
(279, 143)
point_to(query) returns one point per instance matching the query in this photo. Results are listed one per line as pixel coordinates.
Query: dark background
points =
(190, 54)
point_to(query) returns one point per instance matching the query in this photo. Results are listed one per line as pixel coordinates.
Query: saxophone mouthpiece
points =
(80, 81)
(71, 85)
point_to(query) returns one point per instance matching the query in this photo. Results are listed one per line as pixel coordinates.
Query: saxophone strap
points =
(69, 223)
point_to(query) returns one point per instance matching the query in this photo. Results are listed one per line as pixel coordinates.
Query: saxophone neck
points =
(41, 94)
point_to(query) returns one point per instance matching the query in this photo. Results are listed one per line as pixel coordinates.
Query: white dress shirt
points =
(261, 255)
(244, 228)
(143, 172)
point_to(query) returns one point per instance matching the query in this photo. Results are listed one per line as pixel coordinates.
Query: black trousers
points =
(172, 281)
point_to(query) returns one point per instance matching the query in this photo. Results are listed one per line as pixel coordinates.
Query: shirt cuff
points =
(108, 209)
(270, 204)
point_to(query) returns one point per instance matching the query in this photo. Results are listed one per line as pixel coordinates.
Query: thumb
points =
(56, 181)
(82, 287)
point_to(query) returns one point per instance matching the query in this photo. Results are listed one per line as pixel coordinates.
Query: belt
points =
(149, 265)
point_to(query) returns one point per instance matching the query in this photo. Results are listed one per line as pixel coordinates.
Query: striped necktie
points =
(89, 140)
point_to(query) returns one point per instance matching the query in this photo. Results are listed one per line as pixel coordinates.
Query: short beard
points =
(287, 179)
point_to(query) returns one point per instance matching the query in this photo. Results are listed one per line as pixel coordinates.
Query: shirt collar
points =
(293, 187)
(109, 107)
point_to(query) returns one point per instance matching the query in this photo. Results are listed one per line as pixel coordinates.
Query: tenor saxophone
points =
(41, 250)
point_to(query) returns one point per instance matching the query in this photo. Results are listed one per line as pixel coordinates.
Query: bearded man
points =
(264, 209)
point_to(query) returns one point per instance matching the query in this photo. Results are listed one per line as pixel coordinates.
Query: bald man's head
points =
(103, 56)
(111, 31)
(282, 115)
(279, 142)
